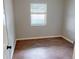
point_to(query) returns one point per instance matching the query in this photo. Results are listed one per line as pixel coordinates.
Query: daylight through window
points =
(38, 14)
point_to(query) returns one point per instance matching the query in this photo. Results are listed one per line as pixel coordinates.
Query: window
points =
(38, 14)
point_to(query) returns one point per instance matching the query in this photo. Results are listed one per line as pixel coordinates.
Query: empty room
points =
(39, 29)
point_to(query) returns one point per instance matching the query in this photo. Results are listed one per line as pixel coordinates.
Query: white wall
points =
(9, 19)
(4, 41)
(69, 19)
(22, 17)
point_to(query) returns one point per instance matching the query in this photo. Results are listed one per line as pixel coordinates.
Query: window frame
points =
(38, 13)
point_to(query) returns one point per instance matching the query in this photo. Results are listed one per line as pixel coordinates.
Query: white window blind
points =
(38, 14)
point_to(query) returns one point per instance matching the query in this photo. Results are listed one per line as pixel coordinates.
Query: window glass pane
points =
(38, 19)
(38, 8)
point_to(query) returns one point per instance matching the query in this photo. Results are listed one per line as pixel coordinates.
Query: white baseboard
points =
(67, 39)
(38, 37)
(46, 37)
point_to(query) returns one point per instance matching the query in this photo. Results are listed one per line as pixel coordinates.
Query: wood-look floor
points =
(49, 48)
